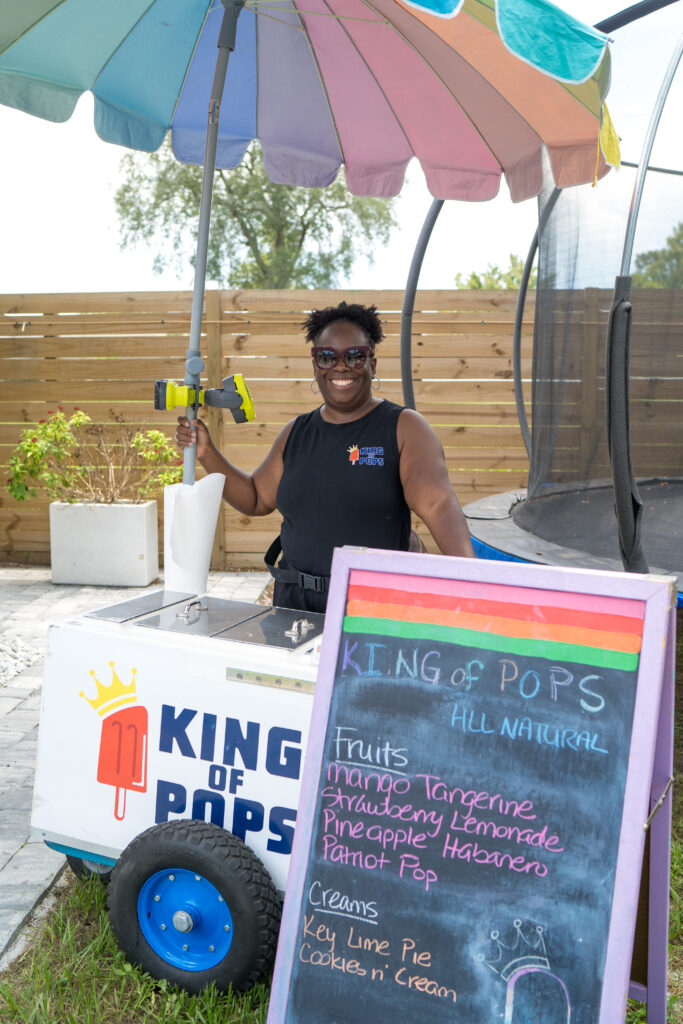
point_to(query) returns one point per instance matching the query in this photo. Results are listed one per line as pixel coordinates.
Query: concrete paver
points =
(28, 868)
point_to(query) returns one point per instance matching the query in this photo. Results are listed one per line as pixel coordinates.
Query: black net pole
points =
(628, 506)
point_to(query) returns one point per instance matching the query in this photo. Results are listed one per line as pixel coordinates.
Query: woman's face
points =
(343, 388)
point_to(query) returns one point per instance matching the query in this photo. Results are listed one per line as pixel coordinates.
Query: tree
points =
(493, 277)
(262, 235)
(661, 268)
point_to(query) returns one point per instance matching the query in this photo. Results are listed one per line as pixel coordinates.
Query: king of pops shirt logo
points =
(372, 456)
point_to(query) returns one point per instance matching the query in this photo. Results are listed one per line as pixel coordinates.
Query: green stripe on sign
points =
(549, 649)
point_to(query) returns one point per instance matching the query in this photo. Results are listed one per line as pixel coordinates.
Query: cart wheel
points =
(191, 903)
(83, 868)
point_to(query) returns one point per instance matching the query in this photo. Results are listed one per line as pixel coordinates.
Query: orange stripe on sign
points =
(602, 639)
(550, 614)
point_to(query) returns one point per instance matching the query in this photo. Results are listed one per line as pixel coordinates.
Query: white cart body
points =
(154, 710)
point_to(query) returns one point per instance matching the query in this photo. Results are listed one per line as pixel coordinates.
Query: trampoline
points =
(605, 487)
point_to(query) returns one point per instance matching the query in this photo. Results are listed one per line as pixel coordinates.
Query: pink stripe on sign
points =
(500, 592)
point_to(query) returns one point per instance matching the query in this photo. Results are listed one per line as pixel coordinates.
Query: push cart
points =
(172, 735)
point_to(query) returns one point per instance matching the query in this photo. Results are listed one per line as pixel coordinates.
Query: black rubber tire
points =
(83, 868)
(232, 868)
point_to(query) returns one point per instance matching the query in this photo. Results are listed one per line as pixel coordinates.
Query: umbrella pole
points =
(194, 364)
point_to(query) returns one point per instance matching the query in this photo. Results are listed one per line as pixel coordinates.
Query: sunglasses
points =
(354, 358)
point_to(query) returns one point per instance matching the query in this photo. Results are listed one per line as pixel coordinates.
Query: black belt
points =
(305, 580)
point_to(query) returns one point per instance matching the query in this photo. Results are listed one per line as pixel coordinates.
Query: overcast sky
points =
(57, 183)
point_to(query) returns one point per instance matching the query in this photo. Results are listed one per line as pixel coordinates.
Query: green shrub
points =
(74, 459)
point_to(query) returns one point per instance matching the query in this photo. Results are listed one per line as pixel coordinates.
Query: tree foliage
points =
(661, 268)
(262, 235)
(495, 278)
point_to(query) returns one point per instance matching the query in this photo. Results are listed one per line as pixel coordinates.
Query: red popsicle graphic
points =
(123, 755)
(123, 743)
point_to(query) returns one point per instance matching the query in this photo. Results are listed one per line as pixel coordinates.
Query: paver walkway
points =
(30, 603)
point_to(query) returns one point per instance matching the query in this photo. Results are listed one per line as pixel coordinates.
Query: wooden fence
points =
(102, 352)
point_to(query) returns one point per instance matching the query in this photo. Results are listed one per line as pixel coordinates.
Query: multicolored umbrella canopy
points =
(472, 88)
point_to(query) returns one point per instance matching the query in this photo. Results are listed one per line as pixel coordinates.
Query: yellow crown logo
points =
(114, 695)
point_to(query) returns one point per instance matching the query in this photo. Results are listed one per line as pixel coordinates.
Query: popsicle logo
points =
(367, 456)
(123, 745)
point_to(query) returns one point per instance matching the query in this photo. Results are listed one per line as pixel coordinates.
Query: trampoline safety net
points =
(570, 498)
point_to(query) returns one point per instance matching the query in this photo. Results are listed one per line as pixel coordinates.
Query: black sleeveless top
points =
(341, 485)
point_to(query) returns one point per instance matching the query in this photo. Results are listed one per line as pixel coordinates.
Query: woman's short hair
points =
(366, 317)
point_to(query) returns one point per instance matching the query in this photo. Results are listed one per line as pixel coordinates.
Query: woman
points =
(350, 472)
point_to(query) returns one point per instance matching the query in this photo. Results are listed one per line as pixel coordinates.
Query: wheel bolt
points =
(226, 927)
(197, 878)
(163, 927)
(220, 899)
(157, 897)
(182, 921)
(171, 878)
(212, 949)
(186, 947)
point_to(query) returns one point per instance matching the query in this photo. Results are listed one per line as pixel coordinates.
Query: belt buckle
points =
(309, 582)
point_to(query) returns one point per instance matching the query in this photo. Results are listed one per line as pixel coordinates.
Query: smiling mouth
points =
(340, 382)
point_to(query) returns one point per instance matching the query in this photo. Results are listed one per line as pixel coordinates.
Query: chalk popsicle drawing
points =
(524, 964)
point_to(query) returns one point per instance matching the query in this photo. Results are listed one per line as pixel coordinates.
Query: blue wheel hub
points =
(185, 919)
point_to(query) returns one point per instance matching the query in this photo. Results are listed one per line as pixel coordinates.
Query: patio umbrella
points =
(473, 88)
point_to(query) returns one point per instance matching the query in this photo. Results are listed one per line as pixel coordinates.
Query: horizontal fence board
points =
(164, 346)
(423, 322)
(263, 435)
(281, 368)
(422, 366)
(10, 556)
(275, 415)
(301, 300)
(297, 301)
(25, 553)
(456, 345)
(70, 372)
(298, 392)
(451, 347)
(127, 303)
(98, 326)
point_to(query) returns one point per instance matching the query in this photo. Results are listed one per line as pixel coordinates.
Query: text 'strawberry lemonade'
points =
(123, 745)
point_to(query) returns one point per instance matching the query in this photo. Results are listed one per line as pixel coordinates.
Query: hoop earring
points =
(313, 386)
(379, 383)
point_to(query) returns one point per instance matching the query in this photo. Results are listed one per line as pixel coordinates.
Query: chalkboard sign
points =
(471, 825)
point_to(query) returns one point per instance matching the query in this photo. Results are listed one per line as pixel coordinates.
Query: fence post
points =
(214, 367)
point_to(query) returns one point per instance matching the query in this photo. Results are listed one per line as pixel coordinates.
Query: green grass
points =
(73, 973)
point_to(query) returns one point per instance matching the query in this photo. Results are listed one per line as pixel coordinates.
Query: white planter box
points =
(104, 545)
